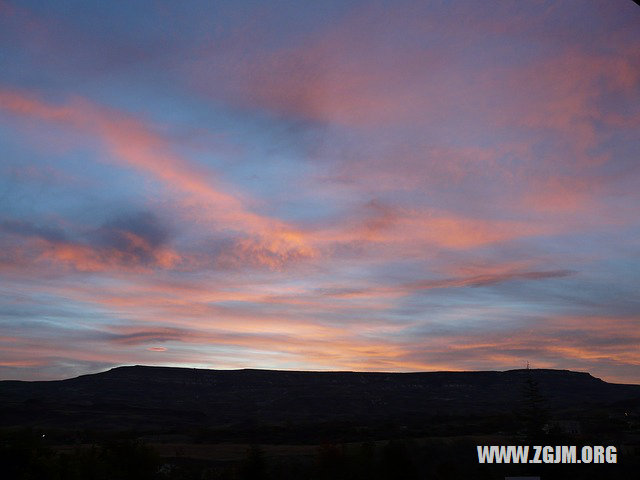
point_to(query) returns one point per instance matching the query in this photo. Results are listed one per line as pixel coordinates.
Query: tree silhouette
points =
(533, 411)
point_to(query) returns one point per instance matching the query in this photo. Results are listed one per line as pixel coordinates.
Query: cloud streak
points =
(132, 144)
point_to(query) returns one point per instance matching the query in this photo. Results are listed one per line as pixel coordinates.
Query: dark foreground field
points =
(170, 423)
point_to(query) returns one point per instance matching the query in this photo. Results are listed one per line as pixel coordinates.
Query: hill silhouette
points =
(152, 398)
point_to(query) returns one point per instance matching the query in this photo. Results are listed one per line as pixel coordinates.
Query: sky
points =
(337, 185)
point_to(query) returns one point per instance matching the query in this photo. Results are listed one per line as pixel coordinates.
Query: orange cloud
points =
(157, 349)
(413, 232)
(133, 144)
(27, 251)
(90, 259)
(471, 281)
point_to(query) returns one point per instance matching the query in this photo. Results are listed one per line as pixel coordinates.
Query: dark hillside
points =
(161, 397)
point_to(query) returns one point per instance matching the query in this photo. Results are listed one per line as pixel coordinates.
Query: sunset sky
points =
(388, 186)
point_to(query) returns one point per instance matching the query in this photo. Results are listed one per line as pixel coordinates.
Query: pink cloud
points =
(133, 144)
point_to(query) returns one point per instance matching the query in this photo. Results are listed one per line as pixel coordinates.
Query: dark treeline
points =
(26, 455)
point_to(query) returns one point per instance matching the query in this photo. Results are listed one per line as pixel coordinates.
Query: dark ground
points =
(171, 423)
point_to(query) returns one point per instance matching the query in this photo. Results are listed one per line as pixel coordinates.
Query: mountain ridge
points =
(128, 368)
(153, 397)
